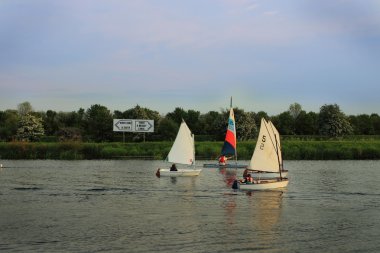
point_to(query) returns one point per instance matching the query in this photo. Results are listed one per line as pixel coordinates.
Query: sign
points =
(133, 125)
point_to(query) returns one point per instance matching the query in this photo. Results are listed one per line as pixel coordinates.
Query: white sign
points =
(133, 125)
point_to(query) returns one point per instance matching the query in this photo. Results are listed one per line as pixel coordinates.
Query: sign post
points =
(134, 126)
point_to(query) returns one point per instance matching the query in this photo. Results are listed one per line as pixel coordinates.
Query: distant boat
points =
(227, 165)
(266, 163)
(229, 146)
(181, 153)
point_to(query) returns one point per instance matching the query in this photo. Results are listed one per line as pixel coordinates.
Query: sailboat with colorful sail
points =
(229, 146)
(266, 160)
(181, 153)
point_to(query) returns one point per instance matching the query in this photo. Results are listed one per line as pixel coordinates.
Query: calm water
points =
(120, 206)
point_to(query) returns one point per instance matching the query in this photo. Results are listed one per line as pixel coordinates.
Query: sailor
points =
(173, 168)
(222, 160)
(249, 179)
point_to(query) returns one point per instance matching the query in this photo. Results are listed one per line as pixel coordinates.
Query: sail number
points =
(263, 142)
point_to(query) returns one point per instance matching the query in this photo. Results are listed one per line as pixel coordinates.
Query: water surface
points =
(121, 206)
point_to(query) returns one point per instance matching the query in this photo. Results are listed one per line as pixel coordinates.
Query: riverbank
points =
(292, 150)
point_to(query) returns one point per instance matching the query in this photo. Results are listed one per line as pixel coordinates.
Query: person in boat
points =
(173, 168)
(248, 179)
(223, 159)
(245, 173)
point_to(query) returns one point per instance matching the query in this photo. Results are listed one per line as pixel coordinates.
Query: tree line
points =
(95, 124)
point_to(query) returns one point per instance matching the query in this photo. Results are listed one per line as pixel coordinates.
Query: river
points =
(121, 206)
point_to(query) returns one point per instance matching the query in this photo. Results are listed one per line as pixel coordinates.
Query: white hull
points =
(265, 184)
(180, 173)
(268, 175)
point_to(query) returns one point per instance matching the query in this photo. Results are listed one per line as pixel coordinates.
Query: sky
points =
(64, 55)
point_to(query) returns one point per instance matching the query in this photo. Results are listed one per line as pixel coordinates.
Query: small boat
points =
(265, 184)
(182, 153)
(266, 163)
(229, 146)
(228, 165)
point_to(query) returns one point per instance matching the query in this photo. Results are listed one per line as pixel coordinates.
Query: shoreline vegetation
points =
(205, 150)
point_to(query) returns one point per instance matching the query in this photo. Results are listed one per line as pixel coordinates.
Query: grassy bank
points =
(292, 150)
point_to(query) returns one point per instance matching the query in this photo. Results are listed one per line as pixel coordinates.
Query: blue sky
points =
(64, 55)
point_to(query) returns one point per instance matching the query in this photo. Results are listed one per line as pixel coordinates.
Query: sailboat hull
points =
(268, 175)
(180, 173)
(228, 165)
(265, 185)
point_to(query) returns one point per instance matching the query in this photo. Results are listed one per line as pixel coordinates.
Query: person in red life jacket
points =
(222, 160)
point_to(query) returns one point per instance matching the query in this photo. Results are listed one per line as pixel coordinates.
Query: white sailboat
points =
(266, 162)
(256, 169)
(181, 153)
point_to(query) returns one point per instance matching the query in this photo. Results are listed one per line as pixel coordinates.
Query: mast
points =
(278, 157)
(192, 135)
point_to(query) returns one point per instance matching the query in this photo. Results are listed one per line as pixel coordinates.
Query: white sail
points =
(277, 142)
(182, 151)
(264, 157)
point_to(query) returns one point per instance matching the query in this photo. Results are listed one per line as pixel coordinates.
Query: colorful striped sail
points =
(229, 146)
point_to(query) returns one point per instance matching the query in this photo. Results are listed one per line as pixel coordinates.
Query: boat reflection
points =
(262, 211)
(229, 176)
(265, 209)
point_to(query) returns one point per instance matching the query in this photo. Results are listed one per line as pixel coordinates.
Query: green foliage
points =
(95, 123)
(284, 123)
(294, 110)
(332, 122)
(245, 125)
(69, 134)
(168, 129)
(24, 108)
(30, 128)
(292, 150)
(306, 123)
(98, 122)
(208, 150)
(8, 124)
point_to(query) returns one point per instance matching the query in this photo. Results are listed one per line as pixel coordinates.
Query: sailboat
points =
(266, 162)
(182, 152)
(256, 170)
(229, 146)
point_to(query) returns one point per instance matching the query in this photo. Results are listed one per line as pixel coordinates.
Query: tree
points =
(375, 121)
(284, 123)
(98, 123)
(333, 122)
(245, 124)
(208, 123)
(168, 129)
(24, 108)
(50, 122)
(139, 112)
(177, 115)
(294, 110)
(361, 124)
(30, 128)
(8, 124)
(258, 116)
(192, 120)
(306, 123)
